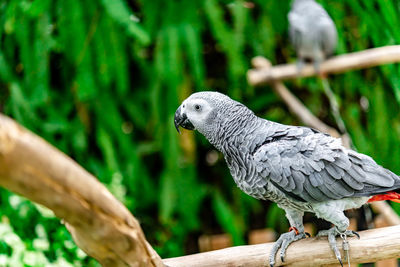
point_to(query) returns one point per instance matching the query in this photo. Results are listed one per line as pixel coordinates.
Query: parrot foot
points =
(283, 242)
(332, 234)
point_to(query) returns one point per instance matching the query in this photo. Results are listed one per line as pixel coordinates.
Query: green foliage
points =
(101, 81)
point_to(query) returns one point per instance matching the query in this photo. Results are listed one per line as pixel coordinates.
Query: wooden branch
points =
(99, 223)
(374, 245)
(306, 117)
(299, 109)
(338, 64)
(384, 209)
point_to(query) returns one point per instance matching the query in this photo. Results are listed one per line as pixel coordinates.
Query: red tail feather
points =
(393, 196)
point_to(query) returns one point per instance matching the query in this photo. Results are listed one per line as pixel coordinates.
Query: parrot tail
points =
(393, 196)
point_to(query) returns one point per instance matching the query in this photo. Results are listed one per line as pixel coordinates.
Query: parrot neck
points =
(231, 131)
(233, 144)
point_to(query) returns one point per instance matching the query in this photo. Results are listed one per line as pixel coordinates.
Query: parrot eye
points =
(197, 107)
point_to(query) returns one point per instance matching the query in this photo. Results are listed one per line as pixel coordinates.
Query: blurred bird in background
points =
(312, 32)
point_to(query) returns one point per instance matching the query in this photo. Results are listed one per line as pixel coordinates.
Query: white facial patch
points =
(197, 111)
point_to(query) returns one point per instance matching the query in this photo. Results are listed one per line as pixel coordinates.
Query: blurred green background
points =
(101, 80)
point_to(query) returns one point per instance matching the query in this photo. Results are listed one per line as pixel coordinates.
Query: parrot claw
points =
(355, 234)
(332, 234)
(283, 242)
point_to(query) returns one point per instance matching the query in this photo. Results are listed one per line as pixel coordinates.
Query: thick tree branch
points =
(374, 245)
(99, 223)
(338, 64)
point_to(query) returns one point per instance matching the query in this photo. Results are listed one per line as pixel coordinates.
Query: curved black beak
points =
(181, 119)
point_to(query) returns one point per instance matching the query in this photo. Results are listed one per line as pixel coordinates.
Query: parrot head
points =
(298, 3)
(207, 112)
(196, 112)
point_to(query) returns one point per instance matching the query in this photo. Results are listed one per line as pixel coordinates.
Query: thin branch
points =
(374, 245)
(99, 223)
(334, 105)
(301, 111)
(338, 64)
(306, 117)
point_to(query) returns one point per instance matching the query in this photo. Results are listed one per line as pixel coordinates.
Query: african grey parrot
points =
(299, 168)
(311, 31)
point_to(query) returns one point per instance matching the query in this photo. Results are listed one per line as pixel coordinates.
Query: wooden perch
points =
(338, 64)
(374, 245)
(98, 222)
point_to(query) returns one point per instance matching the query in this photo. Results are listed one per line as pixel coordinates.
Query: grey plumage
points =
(312, 32)
(287, 156)
(299, 168)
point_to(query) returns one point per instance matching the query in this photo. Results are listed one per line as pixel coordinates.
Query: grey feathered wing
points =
(296, 26)
(310, 20)
(311, 166)
(327, 35)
